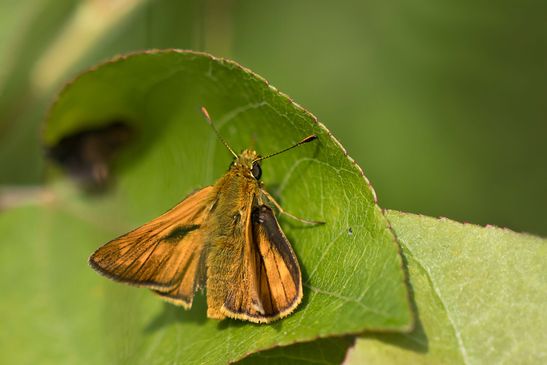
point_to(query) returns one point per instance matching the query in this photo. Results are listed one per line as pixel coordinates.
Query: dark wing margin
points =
(165, 254)
(277, 277)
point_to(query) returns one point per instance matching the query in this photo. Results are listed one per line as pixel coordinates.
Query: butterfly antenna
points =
(208, 119)
(313, 137)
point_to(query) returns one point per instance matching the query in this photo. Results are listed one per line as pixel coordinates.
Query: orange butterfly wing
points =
(272, 288)
(166, 254)
(279, 276)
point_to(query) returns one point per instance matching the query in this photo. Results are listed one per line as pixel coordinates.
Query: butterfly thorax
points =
(238, 191)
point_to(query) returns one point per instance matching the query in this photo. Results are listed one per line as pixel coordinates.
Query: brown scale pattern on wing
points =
(162, 253)
(266, 283)
(279, 274)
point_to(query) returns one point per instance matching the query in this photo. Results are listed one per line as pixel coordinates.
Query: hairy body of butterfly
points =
(223, 237)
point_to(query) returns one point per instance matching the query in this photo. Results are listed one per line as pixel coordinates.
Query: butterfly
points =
(224, 238)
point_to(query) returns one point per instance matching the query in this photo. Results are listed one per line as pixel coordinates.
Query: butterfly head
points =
(250, 161)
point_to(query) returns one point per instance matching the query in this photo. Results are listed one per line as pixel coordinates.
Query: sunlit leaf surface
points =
(352, 271)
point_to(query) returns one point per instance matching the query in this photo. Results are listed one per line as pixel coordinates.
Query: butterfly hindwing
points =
(193, 278)
(165, 254)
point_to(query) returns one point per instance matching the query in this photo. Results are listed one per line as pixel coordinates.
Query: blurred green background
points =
(442, 103)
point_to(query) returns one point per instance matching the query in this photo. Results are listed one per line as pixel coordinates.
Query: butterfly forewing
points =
(279, 277)
(279, 274)
(164, 254)
(273, 278)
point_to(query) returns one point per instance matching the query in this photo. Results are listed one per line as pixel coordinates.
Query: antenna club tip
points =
(206, 113)
(309, 138)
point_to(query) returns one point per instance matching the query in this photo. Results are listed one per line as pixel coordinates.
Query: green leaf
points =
(480, 294)
(351, 266)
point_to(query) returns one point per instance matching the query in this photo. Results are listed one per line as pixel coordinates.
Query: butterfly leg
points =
(283, 211)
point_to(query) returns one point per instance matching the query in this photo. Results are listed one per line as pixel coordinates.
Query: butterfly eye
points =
(256, 170)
